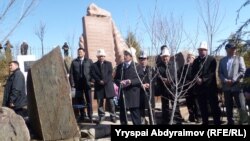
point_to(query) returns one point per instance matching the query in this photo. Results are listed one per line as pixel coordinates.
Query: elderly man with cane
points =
(127, 77)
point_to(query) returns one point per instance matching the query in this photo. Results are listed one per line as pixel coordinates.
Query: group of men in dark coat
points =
(139, 83)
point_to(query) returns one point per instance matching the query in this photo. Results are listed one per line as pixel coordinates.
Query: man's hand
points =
(125, 83)
(247, 95)
(101, 82)
(229, 83)
(146, 86)
(166, 81)
(199, 81)
(12, 105)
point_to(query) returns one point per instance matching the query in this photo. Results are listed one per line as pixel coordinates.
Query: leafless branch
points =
(238, 11)
(210, 15)
(25, 13)
(40, 32)
(7, 9)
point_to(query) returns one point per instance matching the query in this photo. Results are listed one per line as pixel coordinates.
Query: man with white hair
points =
(101, 72)
(127, 78)
(204, 72)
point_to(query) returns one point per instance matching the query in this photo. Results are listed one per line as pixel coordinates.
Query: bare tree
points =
(167, 30)
(209, 11)
(25, 10)
(40, 32)
(240, 33)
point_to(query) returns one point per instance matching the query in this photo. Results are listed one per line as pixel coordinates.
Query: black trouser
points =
(211, 98)
(145, 102)
(84, 99)
(22, 112)
(166, 111)
(88, 97)
(135, 115)
(192, 106)
(111, 105)
(229, 96)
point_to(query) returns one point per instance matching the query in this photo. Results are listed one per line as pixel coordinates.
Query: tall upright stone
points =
(49, 103)
(100, 31)
(99, 34)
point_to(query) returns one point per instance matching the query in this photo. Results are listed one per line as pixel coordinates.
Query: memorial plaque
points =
(50, 108)
(27, 65)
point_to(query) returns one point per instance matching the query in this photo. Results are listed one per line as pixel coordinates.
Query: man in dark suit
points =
(147, 102)
(101, 72)
(14, 91)
(127, 78)
(185, 75)
(80, 80)
(166, 82)
(203, 70)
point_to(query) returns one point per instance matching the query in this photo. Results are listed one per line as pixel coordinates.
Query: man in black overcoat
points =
(127, 78)
(101, 72)
(147, 101)
(80, 80)
(204, 71)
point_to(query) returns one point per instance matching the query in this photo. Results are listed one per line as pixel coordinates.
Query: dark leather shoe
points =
(113, 119)
(191, 119)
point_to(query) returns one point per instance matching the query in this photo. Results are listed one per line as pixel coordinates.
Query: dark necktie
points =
(101, 67)
(81, 69)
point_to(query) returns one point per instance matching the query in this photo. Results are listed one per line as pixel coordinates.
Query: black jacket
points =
(105, 74)
(186, 78)
(80, 76)
(168, 72)
(207, 74)
(14, 91)
(132, 92)
(148, 75)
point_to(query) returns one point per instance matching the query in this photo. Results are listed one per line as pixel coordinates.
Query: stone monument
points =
(24, 48)
(100, 31)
